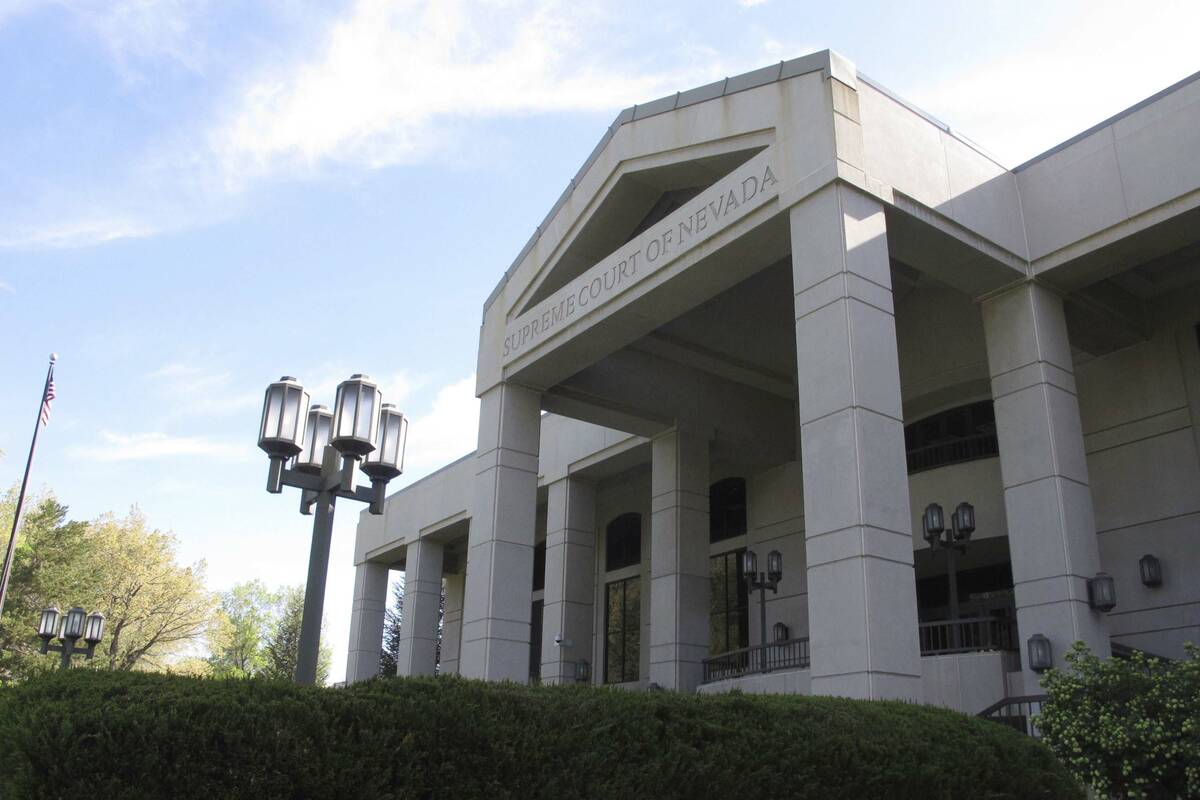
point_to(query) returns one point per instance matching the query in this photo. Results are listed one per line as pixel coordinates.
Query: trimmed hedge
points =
(133, 735)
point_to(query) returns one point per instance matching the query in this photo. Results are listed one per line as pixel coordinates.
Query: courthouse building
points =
(786, 312)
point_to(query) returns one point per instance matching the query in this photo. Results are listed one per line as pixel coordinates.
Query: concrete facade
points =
(786, 311)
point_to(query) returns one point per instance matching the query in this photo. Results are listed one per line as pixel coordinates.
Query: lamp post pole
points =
(763, 581)
(953, 542)
(326, 451)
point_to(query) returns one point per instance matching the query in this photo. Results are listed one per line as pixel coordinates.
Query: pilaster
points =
(366, 621)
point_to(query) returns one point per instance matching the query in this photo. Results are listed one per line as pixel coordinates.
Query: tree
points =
(239, 634)
(392, 619)
(283, 646)
(1127, 727)
(154, 607)
(49, 566)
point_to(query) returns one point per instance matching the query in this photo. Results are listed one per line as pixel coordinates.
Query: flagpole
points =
(12, 538)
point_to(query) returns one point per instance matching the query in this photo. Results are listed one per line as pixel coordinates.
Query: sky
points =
(198, 197)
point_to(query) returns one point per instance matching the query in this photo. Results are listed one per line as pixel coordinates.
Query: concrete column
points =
(862, 604)
(1051, 524)
(496, 613)
(366, 621)
(417, 651)
(679, 580)
(452, 624)
(570, 578)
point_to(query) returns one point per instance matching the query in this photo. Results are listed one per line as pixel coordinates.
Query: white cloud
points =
(1068, 79)
(6, 288)
(751, 3)
(116, 447)
(393, 76)
(79, 233)
(444, 433)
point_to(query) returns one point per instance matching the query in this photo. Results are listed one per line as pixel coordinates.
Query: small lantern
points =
(934, 522)
(1041, 656)
(781, 632)
(964, 522)
(316, 437)
(1151, 569)
(356, 416)
(281, 431)
(749, 564)
(73, 626)
(93, 630)
(583, 671)
(774, 566)
(1102, 592)
(386, 461)
(48, 624)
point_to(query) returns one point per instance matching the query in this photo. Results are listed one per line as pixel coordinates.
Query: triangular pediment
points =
(636, 200)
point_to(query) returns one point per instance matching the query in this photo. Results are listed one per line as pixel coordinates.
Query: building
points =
(787, 311)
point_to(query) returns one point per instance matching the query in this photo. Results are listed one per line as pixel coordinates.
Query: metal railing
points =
(972, 635)
(788, 654)
(1017, 713)
(952, 451)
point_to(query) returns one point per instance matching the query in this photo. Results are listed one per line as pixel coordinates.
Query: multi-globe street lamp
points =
(69, 628)
(763, 581)
(325, 450)
(953, 542)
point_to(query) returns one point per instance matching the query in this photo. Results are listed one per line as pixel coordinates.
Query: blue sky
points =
(198, 197)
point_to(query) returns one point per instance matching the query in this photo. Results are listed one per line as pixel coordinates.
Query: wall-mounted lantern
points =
(583, 671)
(1102, 592)
(1041, 655)
(781, 632)
(1151, 569)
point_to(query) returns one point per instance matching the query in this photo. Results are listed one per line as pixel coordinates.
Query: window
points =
(623, 542)
(961, 434)
(622, 630)
(539, 566)
(729, 604)
(726, 509)
(535, 642)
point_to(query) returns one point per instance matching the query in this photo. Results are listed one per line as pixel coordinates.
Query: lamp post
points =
(69, 628)
(953, 542)
(763, 581)
(326, 450)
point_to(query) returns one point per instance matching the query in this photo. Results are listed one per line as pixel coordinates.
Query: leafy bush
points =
(139, 735)
(1126, 726)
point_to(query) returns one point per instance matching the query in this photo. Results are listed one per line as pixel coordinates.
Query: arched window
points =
(726, 509)
(960, 434)
(623, 542)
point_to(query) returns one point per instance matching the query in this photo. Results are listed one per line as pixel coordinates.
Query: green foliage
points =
(392, 620)
(1126, 726)
(283, 645)
(241, 628)
(149, 735)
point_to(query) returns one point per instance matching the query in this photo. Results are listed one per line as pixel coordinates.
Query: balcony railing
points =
(973, 635)
(1017, 713)
(788, 654)
(952, 451)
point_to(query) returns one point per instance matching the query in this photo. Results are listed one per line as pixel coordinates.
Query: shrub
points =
(148, 735)
(1126, 726)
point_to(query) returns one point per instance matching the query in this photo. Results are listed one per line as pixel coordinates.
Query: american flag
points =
(46, 401)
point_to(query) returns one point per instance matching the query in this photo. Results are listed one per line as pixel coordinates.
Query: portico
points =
(788, 311)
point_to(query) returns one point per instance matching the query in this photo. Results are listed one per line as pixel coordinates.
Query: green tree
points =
(1126, 727)
(392, 619)
(244, 621)
(49, 567)
(283, 645)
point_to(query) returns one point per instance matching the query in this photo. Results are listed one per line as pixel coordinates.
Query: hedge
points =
(134, 735)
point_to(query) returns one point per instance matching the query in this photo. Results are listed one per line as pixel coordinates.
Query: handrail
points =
(970, 635)
(786, 654)
(1017, 713)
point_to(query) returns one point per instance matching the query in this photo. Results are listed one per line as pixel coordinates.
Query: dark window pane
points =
(726, 509)
(539, 566)
(622, 630)
(623, 542)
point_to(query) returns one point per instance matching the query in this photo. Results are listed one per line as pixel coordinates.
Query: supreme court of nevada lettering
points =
(952, 408)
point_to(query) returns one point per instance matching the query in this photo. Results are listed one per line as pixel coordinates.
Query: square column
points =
(499, 593)
(862, 602)
(366, 621)
(570, 578)
(679, 580)
(452, 624)
(1051, 523)
(416, 653)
